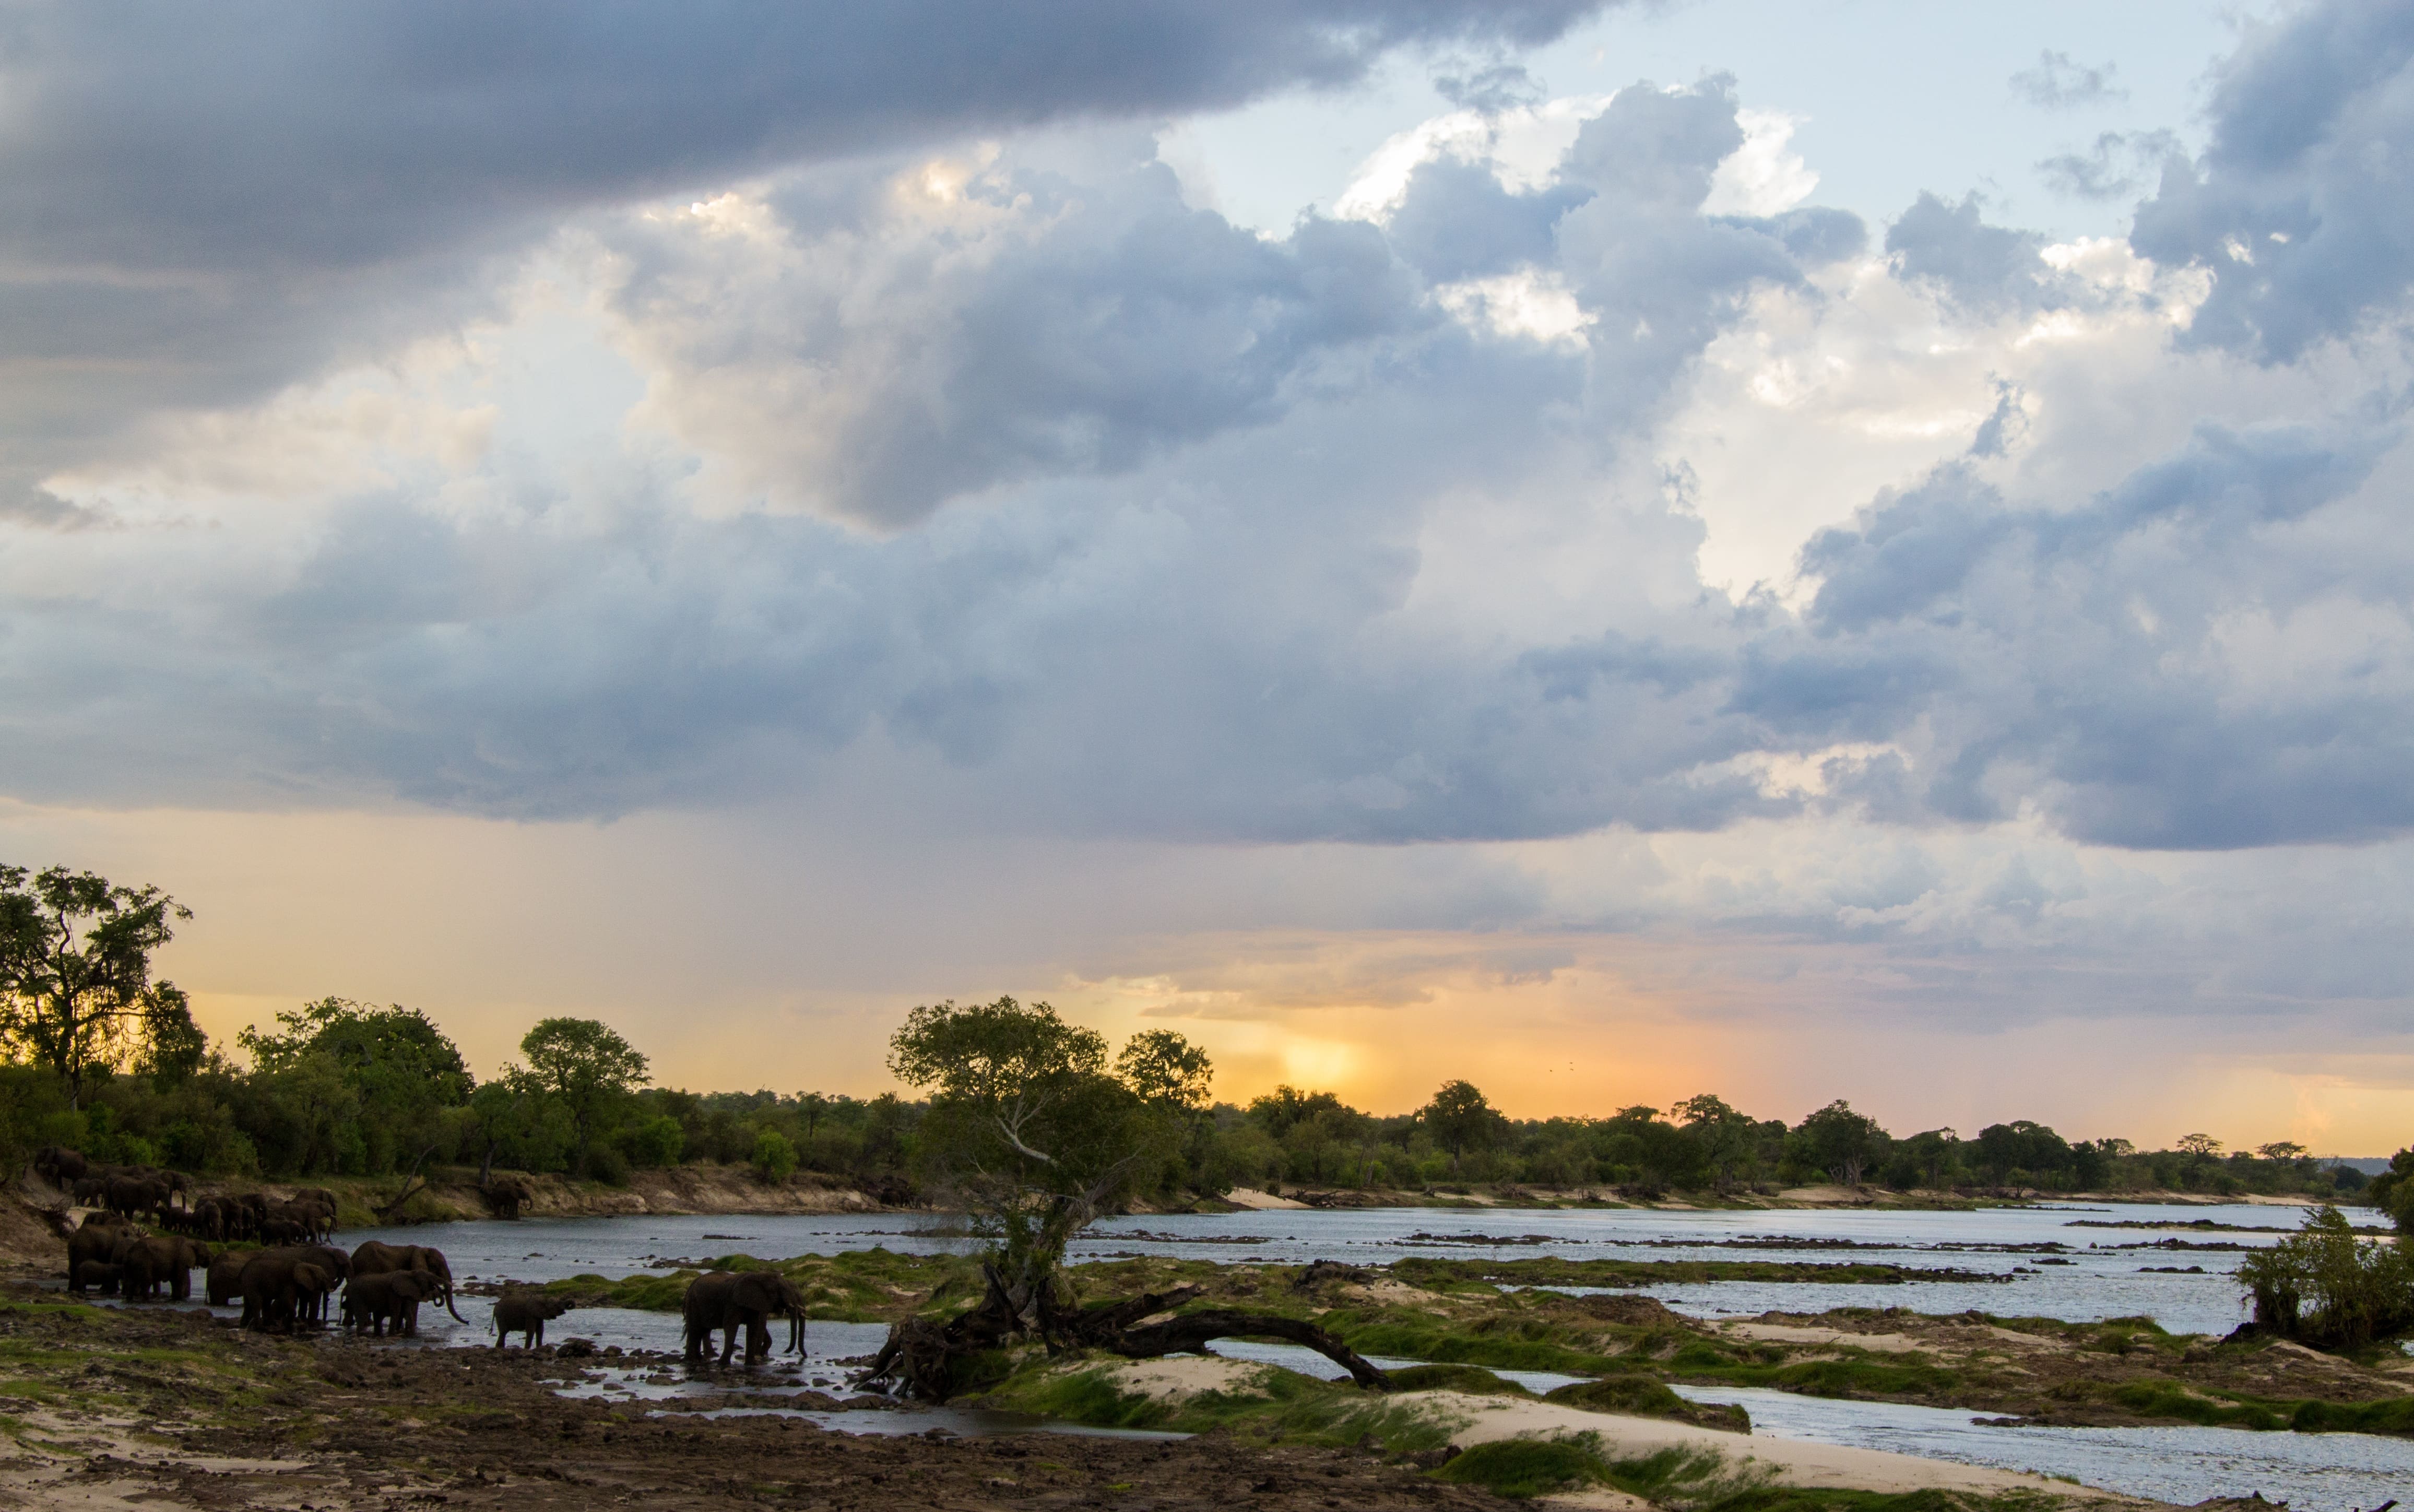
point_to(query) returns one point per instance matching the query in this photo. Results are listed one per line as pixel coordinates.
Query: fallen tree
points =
(935, 1361)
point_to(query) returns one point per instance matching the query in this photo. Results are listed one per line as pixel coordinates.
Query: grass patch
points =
(1473, 1379)
(1503, 1343)
(2161, 1399)
(2393, 1416)
(1273, 1406)
(1643, 1396)
(1523, 1468)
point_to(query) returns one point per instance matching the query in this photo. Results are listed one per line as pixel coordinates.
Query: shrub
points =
(774, 1157)
(2325, 1286)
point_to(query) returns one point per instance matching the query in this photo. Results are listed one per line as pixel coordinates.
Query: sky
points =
(1844, 548)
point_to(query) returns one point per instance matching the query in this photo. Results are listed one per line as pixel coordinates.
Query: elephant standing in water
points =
(526, 1313)
(726, 1300)
(376, 1259)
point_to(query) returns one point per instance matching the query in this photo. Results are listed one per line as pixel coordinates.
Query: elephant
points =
(389, 1297)
(727, 1299)
(94, 1274)
(134, 1195)
(101, 1237)
(506, 1196)
(90, 1190)
(224, 1280)
(209, 1219)
(60, 1165)
(285, 1286)
(375, 1258)
(524, 1312)
(315, 1218)
(148, 1263)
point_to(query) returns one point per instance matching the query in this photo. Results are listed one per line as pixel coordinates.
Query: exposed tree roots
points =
(933, 1360)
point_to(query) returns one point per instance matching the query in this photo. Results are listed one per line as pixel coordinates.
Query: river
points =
(2105, 1276)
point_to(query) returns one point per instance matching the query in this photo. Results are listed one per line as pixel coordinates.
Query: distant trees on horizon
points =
(103, 1058)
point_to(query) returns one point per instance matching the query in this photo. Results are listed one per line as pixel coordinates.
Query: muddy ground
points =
(169, 1408)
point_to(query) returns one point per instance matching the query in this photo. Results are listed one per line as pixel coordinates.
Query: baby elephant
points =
(97, 1274)
(391, 1297)
(524, 1312)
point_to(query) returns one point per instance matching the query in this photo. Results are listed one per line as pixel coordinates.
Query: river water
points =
(2105, 1274)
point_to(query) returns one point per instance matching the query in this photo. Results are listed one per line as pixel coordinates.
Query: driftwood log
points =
(926, 1359)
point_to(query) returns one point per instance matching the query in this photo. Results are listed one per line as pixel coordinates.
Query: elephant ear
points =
(760, 1290)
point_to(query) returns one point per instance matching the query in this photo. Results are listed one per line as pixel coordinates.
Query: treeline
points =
(1703, 1143)
(104, 1060)
(348, 1088)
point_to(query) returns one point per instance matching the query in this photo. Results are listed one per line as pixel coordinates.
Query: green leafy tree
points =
(1722, 1135)
(1028, 1127)
(588, 1070)
(774, 1157)
(75, 993)
(511, 1117)
(1459, 1119)
(1840, 1142)
(403, 1072)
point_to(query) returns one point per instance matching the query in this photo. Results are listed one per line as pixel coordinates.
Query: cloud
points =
(199, 210)
(2056, 83)
(2298, 208)
(2117, 165)
(1952, 248)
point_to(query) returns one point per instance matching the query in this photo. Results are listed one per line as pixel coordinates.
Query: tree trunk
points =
(924, 1358)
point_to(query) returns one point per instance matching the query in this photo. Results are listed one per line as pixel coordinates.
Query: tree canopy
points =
(1032, 1130)
(75, 993)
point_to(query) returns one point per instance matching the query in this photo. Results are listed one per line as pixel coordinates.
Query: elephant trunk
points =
(796, 1332)
(449, 1307)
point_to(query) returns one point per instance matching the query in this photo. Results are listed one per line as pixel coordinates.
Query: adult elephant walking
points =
(375, 1258)
(728, 1300)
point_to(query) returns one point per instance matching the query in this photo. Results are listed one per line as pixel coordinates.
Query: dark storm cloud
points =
(198, 204)
(2301, 207)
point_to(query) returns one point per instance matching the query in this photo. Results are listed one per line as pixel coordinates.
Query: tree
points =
(2203, 1147)
(2324, 1286)
(75, 993)
(1034, 1134)
(586, 1067)
(1722, 1135)
(1840, 1142)
(1164, 1068)
(2283, 1150)
(1460, 1119)
(403, 1070)
(1030, 1129)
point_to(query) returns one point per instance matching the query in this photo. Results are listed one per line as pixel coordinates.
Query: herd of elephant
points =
(150, 1193)
(285, 1285)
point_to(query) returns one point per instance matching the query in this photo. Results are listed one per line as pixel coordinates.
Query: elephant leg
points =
(536, 1335)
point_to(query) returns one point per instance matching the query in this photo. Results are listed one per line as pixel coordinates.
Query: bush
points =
(654, 1142)
(607, 1165)
(774, 1157)
(2324, 1286)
